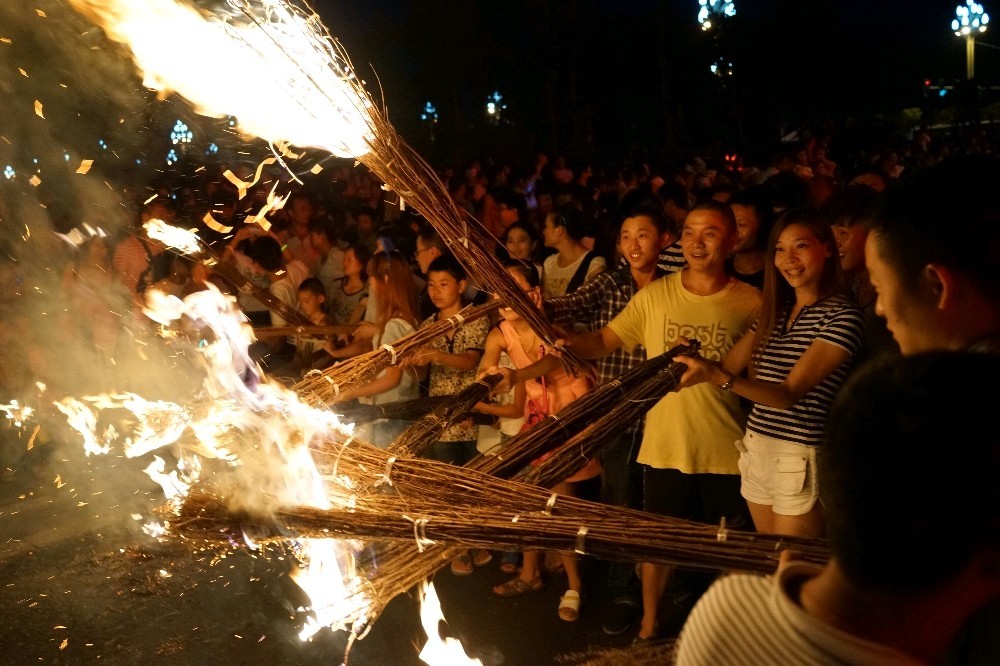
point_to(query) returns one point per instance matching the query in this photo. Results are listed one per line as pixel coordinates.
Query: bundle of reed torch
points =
(655, 377)
(468, 508)
(421, 435)
(471, 510)
(329, 386)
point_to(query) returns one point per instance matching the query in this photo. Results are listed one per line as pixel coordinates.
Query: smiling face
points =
(640, 242)
(851, 247)
(519, 244)
(800, 256)
(706, 239)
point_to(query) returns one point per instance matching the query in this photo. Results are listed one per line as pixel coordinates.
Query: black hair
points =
(654, 213)
(570, 217)
(946, 214)
(855, 204)
(447, 263)
(312, 285)
(883, 444)
(266, 251)
(529, 272)
(722, 209)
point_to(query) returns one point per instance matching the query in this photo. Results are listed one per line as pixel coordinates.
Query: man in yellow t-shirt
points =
(688, 447)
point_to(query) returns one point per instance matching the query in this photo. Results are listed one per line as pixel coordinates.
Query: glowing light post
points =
(970, 19)
(495, 106)
(429, 117)
(714, 9)
(712, 14)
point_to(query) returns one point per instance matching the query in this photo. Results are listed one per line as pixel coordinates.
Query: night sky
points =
(605, 77)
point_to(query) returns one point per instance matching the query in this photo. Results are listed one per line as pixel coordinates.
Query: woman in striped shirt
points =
(796, 357)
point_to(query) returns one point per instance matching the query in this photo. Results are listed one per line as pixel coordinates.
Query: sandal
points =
(462, 565)
(569, 606)
(518, 587)
(481, 557)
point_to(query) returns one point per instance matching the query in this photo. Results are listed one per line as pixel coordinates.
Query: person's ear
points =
(941, 283)
(462, 284)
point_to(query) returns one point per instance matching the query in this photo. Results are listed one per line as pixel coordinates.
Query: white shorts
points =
(778, 473)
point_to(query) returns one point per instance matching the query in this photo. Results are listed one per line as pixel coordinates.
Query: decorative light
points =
(495, 106)
(102, 144)
(710, 9)
(212, 149)
(66, 156)
(969, 18)
(721, 67)
(172, 157)
(430, 113)
(181, 133)
(9, 172)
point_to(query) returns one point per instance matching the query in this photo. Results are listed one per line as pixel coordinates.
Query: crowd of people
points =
(821, 299)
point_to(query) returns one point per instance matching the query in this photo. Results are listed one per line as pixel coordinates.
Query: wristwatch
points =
(728, 386)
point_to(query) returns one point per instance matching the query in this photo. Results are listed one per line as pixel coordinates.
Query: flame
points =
(258, 429)
(438, 651)
(184, 240)
(302, 84)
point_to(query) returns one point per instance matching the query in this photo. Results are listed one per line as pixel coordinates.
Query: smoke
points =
(82, 146)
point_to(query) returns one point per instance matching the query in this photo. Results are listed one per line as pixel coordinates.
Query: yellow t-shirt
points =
(693, 430)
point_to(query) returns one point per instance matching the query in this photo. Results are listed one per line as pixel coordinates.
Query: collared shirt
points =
(596, 303)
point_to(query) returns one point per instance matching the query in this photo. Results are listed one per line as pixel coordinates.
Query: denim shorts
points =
(778, 473)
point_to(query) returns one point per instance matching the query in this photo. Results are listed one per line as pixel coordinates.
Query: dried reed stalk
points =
(555, 429)
(310, 331)
(598, 530)
(324, 387)
(403, 410)
(420, 436)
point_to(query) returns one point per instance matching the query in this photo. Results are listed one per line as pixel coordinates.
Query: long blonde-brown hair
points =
(395, 291)
(779, 296)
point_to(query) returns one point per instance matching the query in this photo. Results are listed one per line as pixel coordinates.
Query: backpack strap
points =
(581, 272)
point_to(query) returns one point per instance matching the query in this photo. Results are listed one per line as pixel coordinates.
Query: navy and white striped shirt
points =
(836, 320)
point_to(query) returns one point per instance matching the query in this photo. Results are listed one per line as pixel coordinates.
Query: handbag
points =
(536, 410)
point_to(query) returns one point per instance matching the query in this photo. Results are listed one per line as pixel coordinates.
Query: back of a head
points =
(266, 251)
(787, 190)
(898, 516)
(946, 214)
(569, 216)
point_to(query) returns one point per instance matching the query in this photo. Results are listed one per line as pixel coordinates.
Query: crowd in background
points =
(774, 254)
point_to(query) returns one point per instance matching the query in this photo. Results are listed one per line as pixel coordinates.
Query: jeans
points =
(622, 486)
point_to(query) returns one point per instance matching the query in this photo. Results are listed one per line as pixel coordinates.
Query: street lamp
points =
(709, 9)
(969, 19)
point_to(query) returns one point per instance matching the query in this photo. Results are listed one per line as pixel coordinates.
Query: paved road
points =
(81, 582)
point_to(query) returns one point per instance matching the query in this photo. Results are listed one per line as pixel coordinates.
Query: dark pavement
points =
(82, 583)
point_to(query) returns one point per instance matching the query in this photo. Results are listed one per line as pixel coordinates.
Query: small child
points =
(309, 352)
(452, 360)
